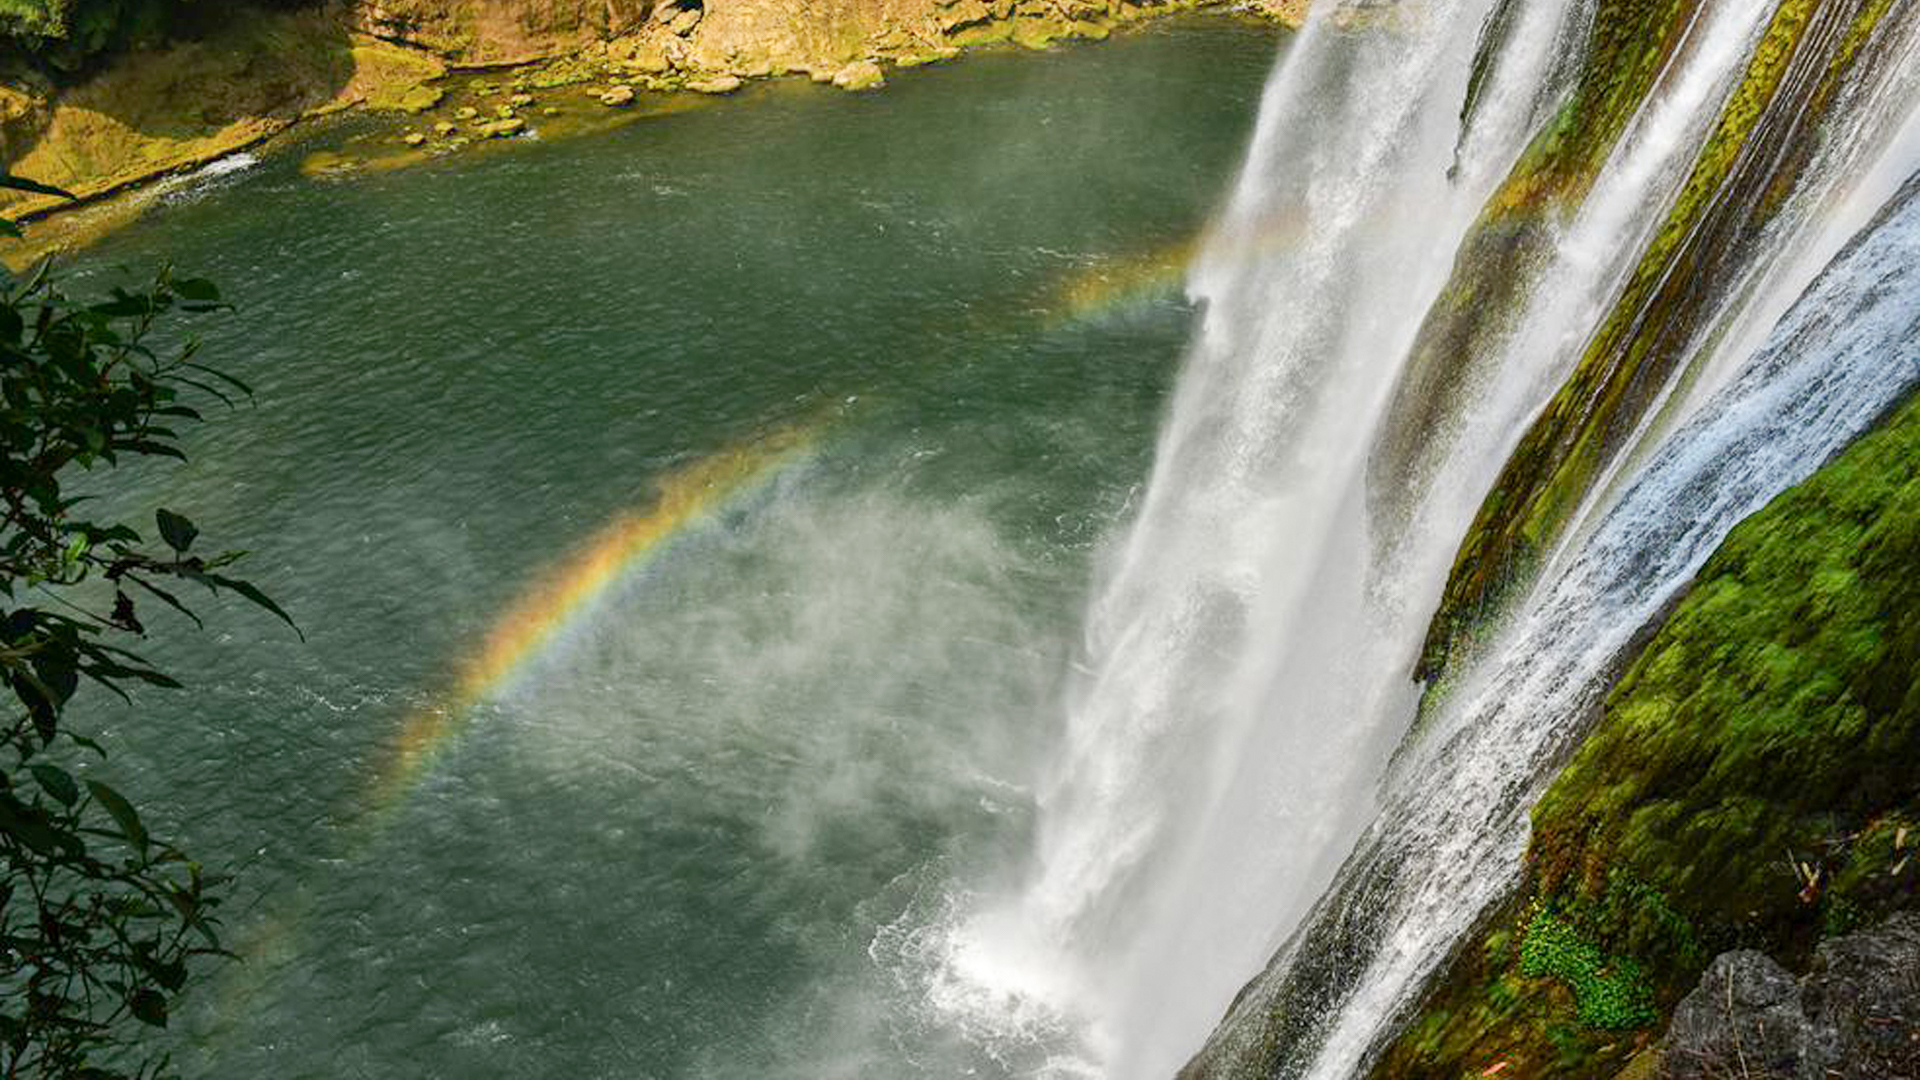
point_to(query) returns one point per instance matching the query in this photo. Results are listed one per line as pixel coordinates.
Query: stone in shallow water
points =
(719, 84)
(617, 96)
(860, 75)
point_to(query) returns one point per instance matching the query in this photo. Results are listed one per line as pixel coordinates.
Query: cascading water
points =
(1244, 684)
(1451, 838)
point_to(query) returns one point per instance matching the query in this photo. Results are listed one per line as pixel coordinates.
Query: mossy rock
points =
(1753, 782)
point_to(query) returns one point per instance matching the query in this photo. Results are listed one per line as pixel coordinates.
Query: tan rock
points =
(413, 138)
(465, 112)
(520, 100)
(617, 96)
(685, 22)
(501, 129)
(860, 75)
(719, 84)
(444, 129)
(649, 57)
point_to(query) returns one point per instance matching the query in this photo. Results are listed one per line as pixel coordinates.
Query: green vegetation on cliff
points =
(1755, 157)
(1754, 781)
(67, 34)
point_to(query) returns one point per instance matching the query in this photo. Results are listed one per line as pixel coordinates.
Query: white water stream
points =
(1244, 681)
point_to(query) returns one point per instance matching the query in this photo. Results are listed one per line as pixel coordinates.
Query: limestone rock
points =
(501, 129)
(718, 84)
(413, 138)
(684, 21)
(617, 96)
(444, 129)
(649, 57)
(465, 112)
(860, 75)
(519, 101)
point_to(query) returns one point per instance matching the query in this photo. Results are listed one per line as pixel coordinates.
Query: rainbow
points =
(1113, 285)
(561, 596)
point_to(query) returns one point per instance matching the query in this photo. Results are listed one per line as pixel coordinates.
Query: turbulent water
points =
(741, 641)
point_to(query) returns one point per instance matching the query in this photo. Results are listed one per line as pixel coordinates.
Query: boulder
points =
(684, 21)
(520, 101)
(444, 129)
(649, 57)
(413, 138)
(617, 96)
(465, 112)
(501, 129)
(718, 84)
(860, 75)
(1855, 1015)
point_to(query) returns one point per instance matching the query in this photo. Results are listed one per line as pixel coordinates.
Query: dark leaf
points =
(175, 529)
(30, 828)
(55, 781)
(247, 589)
(197, 289)
(149, 1007)
(122, 811)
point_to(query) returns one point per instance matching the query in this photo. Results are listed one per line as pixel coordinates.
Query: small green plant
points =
(1611, 992)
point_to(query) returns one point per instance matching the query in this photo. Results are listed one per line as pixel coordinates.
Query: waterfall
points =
(1451, 837)
(1241, 771)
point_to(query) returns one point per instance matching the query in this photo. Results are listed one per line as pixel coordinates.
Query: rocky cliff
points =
(253, 73)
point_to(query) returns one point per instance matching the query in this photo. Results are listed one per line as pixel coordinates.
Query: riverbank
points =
(457, 73)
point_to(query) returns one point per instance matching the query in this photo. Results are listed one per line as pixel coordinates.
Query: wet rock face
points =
(1854, 1016)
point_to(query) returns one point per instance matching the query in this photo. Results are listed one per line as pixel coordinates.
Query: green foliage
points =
(1612, 992)
(68, 35)
(100, 920)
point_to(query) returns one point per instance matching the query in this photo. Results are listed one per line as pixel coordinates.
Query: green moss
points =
(1806, 55)
(1611, 992)
(1754, 781)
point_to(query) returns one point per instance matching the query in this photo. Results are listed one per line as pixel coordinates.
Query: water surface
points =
(689, 525)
